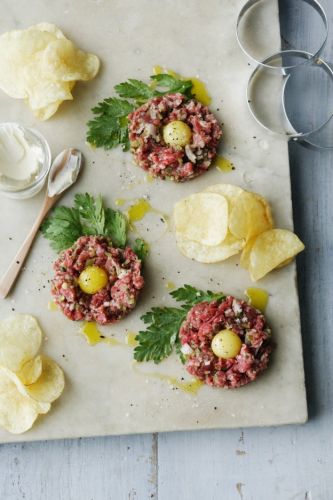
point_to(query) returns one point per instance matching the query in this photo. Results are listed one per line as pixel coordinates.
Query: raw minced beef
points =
(112, 302)
(204, 321)
(161, 160)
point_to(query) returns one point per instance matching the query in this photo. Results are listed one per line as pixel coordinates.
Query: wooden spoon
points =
(63, 174)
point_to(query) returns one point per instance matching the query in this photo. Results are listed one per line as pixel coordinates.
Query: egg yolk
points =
(92, 279)
(177, 134)
(226, 344)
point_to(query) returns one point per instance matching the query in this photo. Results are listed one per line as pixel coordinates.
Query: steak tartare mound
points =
(122, 269)
(174, 158)
(204, 321)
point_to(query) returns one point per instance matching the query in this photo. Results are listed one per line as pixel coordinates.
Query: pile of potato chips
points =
(29, 382)
(41, 65)
(223, 220)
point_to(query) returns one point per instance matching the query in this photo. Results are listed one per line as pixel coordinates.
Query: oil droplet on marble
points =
(223, 164)
(120, 202)
(94, 336)
(157, 69)
(191, 387)
(91, 332)
(130, 339)
(138, 210)
(52, 306)
(149, 178)
(200, 91)
(142, 207)
(258, 298)
(170, 285)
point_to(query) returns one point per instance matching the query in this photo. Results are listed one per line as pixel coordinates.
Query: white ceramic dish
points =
(36, 139)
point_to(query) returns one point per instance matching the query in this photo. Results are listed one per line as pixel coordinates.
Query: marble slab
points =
(104, 394)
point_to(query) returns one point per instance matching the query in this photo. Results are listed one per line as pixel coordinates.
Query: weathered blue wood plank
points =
(115, 468)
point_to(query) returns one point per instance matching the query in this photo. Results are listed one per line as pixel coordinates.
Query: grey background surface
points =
(287, 463)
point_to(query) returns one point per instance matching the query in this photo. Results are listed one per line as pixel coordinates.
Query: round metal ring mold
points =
(245, 13)
(269, 108)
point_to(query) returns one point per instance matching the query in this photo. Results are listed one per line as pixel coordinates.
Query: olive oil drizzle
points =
(120, 202)
(52, 306)
(94, 336)
(170, 285)
(223, 164)
(130, 339)
(139, 209)
(257, 297)
(191, 387)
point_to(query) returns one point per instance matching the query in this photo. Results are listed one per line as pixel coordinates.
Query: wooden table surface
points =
(287, 463)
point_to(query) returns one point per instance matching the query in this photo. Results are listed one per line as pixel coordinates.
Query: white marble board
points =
(104, 395)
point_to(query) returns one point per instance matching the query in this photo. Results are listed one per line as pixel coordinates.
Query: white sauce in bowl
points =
(21, 160)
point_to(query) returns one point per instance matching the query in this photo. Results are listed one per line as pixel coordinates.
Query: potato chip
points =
(18, 411)
(284, 263)
(250, 229)
(41, 65)
(209, 254)
(249, 216)
(20, 340)
(66, 62)
(46, 112)
(30, 371)
(271, 249)
(202, 218)
(267, 206)
(50, 384)
(28, 383)
(245, 256)
(229, 191)
(17, 51)
(49, 28)
(44, 91)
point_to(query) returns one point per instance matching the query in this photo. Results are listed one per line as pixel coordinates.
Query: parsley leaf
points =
(161, 84)
(109, 128)
(141, 248)
(116, 227)
(135, 89)
(191, 295)
(91, 212)
(162, 333)
(88, 217)
(178, 349)
(169, 85)
(63, 228)
(158, 340)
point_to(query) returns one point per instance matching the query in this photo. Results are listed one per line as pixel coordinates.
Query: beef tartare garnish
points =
(174, 138)
(171, 134)
(226, 344)
(223, 341)
(95, 281)
(98, 277)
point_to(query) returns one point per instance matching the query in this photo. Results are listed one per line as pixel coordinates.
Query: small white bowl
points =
(35, 138)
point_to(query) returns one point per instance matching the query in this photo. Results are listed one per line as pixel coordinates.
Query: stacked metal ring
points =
(278, 93)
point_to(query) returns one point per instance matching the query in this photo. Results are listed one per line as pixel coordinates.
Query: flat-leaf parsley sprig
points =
(163, 323)
(88, 217)
(109, 128)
